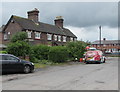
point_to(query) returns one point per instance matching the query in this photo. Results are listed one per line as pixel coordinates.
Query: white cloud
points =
(92, 33)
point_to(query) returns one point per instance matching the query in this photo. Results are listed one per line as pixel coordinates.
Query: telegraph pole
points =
(100, 36)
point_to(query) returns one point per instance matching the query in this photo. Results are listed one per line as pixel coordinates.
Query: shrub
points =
(19, 48)
(76, 49)
(3, 52)
(39, 52)
(58, 54)
(19, 36)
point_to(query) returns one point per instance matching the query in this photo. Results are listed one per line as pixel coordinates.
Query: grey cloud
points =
(77, 14)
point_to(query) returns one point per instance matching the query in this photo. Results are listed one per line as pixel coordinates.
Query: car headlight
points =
(32, 63)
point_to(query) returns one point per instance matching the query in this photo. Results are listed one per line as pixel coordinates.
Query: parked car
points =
(11, 63)
(94, 56)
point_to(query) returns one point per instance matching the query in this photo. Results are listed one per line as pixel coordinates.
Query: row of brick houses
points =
(38, 32)
(109, 46)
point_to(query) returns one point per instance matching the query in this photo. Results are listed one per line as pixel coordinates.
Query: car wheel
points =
(26, 69)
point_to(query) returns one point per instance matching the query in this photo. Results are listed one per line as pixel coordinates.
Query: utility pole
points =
(100, 36)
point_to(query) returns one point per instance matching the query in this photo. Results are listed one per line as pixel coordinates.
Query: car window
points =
(0, 57)
(10, 58)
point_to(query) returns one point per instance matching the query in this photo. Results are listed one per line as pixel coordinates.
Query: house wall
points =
(14, 27)
(1, 37)
(11, 28)
(107, 47)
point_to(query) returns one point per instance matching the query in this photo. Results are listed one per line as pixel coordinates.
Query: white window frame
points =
(55, 37)
(64, 38)
(49, 37)
(59, 38)
(71, 39)
(37, 35)
(29, 33)
(5, 36)
(75, 39)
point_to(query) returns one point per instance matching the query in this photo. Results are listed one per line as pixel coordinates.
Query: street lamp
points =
(100, 36)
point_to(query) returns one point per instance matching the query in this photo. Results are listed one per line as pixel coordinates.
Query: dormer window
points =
(37, 35)
(49, 36)
(64, 38)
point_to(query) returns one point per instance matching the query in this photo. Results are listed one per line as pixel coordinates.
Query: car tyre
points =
(27, 69)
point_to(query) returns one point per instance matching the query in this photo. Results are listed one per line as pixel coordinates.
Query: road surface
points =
(67, 77)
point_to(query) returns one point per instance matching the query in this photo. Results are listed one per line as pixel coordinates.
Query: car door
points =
(15, 64)
(5, 64)
(0, 64)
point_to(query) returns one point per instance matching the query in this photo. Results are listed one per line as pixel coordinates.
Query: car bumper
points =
(93, 61)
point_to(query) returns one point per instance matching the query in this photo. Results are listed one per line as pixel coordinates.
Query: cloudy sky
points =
(82, 18)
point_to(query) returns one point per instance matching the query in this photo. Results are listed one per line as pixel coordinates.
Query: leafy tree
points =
(19, 36)
(76, 49)
(18, 48)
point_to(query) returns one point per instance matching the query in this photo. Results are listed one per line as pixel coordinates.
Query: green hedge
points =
(58, 54)
(39, 52)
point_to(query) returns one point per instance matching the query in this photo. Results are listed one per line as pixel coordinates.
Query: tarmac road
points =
(67, 77)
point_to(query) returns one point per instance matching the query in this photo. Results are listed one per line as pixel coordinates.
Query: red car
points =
(94, 56)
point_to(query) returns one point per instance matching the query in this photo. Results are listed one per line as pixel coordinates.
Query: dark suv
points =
(11, 63)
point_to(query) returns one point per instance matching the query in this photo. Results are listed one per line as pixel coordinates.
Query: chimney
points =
(33, 15)
(59, 21)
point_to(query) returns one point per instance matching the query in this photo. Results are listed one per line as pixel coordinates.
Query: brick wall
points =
(1, 37)
(12, 28)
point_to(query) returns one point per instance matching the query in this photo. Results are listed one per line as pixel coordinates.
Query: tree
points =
(19, 36)
(76, 49)
(19, 46)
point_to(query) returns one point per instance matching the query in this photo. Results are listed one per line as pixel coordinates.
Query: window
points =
(64, 38)
(9, 58)
(75, 39)
(49, 36)
(59, 38)
(5, 37)
(29, 34)
(71, 39)
(37, 35)
(55, 37)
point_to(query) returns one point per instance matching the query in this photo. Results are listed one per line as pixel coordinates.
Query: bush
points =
(3, 52)
(19, 36)
(19, 48)
(39, 52)
(58, 54)
(76, 49)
